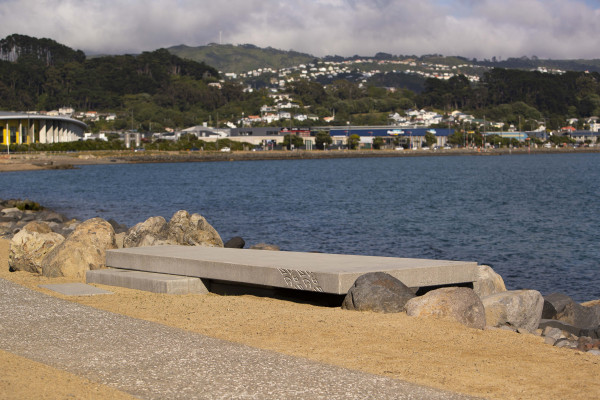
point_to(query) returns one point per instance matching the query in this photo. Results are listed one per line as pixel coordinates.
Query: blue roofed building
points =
(414, 138)
(584, 136)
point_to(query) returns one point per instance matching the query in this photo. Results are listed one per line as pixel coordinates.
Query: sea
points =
(534, 218)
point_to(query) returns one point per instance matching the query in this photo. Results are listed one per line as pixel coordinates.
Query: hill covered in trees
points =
(241, 58)
(158, 89)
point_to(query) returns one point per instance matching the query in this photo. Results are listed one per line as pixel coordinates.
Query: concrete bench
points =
(319, 272)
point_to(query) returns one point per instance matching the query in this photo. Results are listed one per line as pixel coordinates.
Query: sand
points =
(494, 364)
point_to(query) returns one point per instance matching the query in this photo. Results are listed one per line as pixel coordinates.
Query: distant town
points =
(158, 100)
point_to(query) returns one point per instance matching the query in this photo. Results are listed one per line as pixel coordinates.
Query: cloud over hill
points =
(482, 28)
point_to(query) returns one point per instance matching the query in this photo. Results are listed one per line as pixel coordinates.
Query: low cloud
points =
(481, 29)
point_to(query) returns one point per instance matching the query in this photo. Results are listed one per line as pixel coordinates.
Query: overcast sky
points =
(471, 28)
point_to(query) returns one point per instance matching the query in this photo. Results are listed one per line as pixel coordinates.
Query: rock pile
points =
(561, 321)
(47, 243)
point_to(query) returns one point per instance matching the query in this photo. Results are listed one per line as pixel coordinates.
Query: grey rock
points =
(9, 210)
(582, 317)
(119, 228)
(51, 216)
(566, 343)
(12, 213)
(563, 326)
(28, 216)
(458, 303)
(379, 292)
(235, 243)
(520, 309)
(555, 303)
(119, 237)
(591, 332)
(553, 333)
(6, 227)
(595, 352)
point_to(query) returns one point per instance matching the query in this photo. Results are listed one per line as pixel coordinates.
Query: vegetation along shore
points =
(62, 160)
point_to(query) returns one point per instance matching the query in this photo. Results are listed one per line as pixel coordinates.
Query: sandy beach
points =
(492, 364)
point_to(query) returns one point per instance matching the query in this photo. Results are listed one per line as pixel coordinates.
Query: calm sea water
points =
(534, 218)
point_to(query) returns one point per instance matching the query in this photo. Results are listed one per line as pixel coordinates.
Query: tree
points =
(296, 141)
(353, 141)
(430, 139)
(378, 142)
(322, 139)
(457, 138)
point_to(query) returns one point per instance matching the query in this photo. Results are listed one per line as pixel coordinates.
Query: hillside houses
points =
(367, 67)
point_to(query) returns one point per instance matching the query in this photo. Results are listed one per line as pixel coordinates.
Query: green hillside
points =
(241, 58)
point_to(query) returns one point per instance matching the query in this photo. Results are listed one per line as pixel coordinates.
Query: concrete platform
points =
(75, 289)
(328, 273)
(147, 281)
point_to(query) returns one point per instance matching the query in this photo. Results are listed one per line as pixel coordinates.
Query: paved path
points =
(154, 361)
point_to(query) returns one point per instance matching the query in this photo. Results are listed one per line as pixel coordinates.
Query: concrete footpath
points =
(153, 361)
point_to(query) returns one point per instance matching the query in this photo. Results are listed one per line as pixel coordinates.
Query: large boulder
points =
(377, 291)
(83, 250)
(192, 230)
(30, 245)
(151, 232)
(582, 317)
(458, 303)
(555, 303)
(235, 242)
(487, 282)
(183, 229)
(518, 309)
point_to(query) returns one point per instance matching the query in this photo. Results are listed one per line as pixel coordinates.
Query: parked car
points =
(446, 147)
(424, 148)
(226, 149)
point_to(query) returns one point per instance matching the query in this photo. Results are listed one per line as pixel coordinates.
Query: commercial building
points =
(413, 137)
(25, 128)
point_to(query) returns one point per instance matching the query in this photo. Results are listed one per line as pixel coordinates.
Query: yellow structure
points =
(23, 128)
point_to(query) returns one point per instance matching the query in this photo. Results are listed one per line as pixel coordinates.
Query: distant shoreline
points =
(45, 161)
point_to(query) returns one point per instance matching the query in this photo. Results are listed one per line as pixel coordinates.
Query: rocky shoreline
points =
(47, 243)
